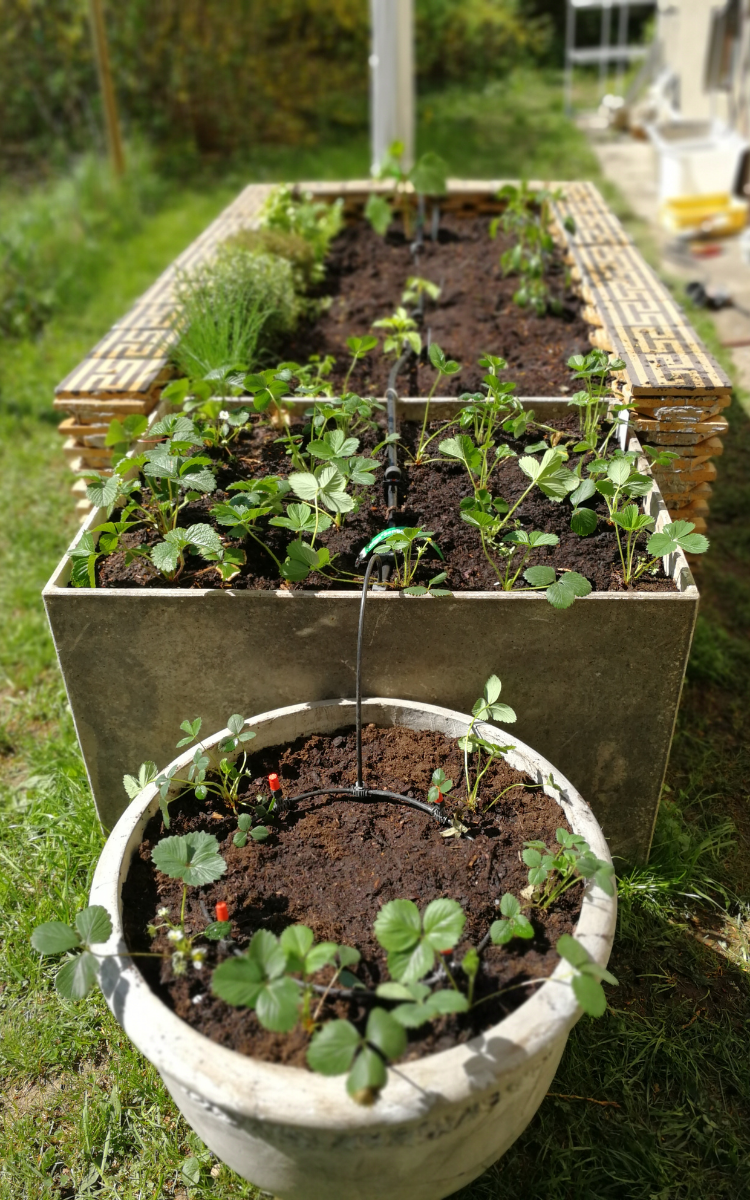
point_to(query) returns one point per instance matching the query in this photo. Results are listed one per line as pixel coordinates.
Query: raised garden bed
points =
(261, 635)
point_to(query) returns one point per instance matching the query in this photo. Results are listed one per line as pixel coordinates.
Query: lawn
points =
(652, 1101)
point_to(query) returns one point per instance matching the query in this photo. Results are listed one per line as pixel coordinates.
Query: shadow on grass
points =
(652, 1102)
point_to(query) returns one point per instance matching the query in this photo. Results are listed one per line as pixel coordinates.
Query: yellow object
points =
(716, 214)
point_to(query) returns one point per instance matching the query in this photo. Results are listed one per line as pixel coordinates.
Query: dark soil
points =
(434, 492)
(331, 864)
(474, 314)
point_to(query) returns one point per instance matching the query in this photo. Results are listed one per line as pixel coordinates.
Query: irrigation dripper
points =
(358, 791)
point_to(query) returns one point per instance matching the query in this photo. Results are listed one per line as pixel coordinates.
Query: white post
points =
(392, 79)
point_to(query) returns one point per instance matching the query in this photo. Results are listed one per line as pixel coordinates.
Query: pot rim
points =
(225, 1079)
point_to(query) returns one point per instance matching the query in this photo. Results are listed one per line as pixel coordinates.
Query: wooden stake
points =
(101, 53)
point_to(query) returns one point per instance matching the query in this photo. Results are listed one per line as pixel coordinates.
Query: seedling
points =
(230, 776)
(359, 347)
(402, 335)
(553, 872)
(527, 216)
(594, 401)
(484, 753)
(409, 545)
(441, 785)
(512, 924)
(263, 811)
(618, 482)
(427, 176)
(417, 288)
(444, 367)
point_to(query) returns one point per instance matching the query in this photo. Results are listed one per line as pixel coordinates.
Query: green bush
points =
(51, 239)
(217, 79)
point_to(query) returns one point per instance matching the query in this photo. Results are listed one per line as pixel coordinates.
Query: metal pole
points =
(604, 63)
(570, 38)
(622, 40)
(392, 79)
(101, 53)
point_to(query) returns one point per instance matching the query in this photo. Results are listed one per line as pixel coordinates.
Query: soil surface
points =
(433, 492)
(332, 863)
(473, 315)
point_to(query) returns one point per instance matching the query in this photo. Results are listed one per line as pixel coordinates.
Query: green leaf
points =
(501, 932)
(509, 905)
(133, 785)
(539, 576)
(193, 857)
(94, 924)
(590, 995)
(348, 956)
(165, 556)
(378, 212)
(320, 956)
(677, 534)
(238, 981)
(412, 964)
(584, 521)
(444, 920)
(53, 937)
(448, 1001)
(429, 174)
(572, 950)
(385, 1034)
(492, 689)
(277, 1006)
(619, 471)
(367, 1077)
(76, 979)
(217, 930)
(333, 1047)
(297, 940)
(569, 586)
(191, 1171)
(585, 490)
(398, 926)
(260, 833)
(632, 519)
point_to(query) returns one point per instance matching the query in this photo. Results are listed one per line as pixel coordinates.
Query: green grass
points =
(653, 1101)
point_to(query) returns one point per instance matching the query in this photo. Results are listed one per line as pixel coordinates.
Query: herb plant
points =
(527, 217)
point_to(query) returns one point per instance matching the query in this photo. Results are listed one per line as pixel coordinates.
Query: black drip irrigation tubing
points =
(359, 792)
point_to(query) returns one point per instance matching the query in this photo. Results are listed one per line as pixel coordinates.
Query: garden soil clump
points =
(432, 499)
(331, 863)
(474, 314)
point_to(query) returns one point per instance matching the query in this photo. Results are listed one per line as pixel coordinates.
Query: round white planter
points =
(441, 1120)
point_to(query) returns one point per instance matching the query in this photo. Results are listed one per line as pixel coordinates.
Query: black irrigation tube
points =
(359, 791)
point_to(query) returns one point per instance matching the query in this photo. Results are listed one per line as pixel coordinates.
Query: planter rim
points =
(225, 1079)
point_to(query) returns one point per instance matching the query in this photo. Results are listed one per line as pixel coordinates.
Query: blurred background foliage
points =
(200, 79)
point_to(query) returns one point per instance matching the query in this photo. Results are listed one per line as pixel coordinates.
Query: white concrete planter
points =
(596, 686)
(441, 1120)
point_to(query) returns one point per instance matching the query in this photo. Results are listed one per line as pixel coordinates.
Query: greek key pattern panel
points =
(135, 343)
(116, 377)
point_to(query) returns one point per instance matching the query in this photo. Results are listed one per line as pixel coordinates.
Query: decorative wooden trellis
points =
(678, 388)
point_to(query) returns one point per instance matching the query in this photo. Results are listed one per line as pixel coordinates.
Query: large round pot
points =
(441, 1120)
